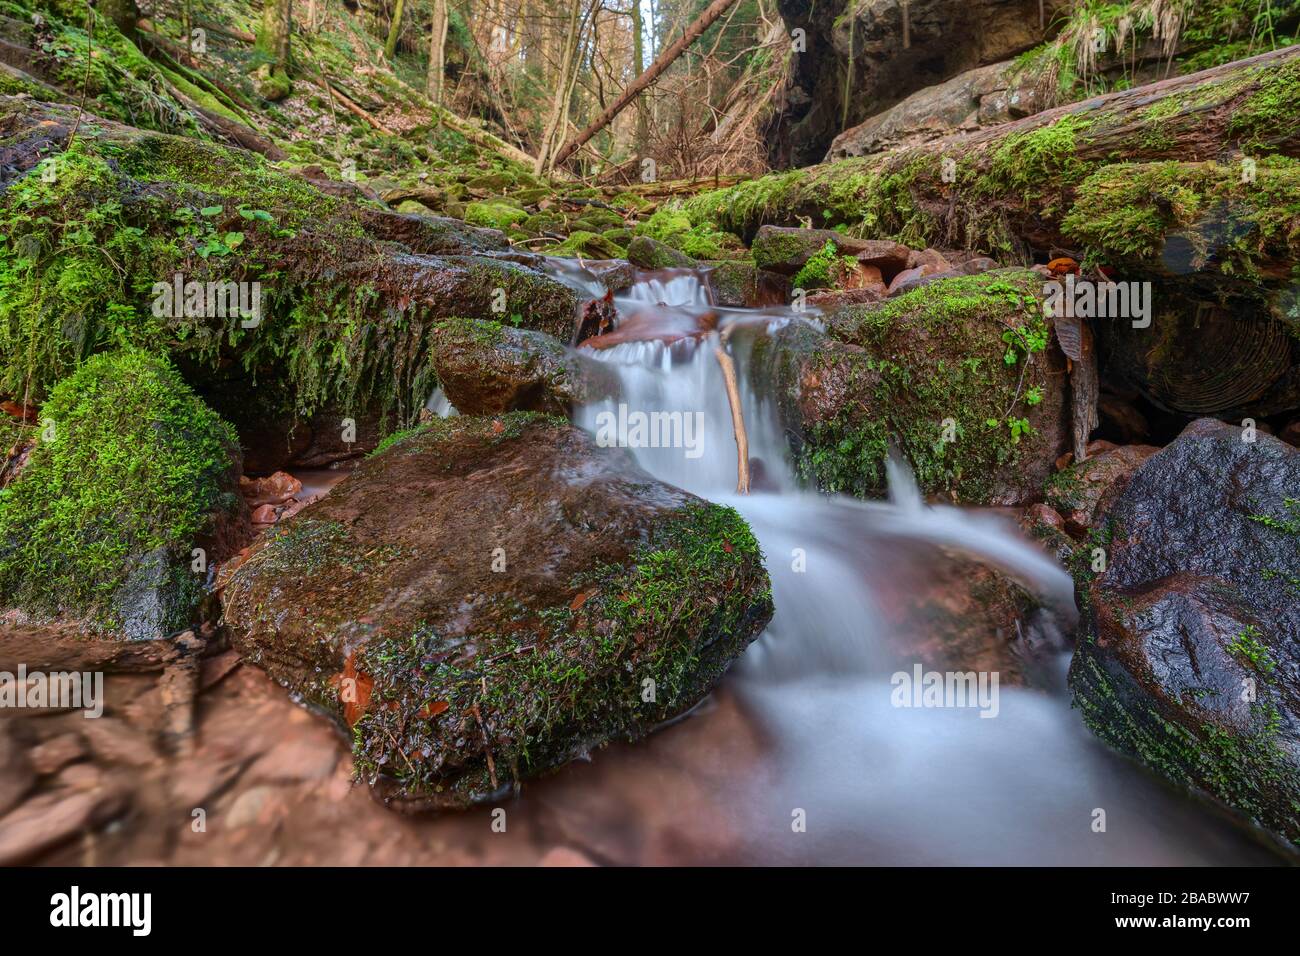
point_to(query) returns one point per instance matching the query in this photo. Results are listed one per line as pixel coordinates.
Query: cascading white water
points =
(877, 783)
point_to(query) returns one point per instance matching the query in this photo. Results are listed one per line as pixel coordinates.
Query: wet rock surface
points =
(1084, 489)
(1189, 659)
(483, 601)
(486, 368)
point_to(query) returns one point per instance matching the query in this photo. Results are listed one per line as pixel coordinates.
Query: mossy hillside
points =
(119, 80)
(963, 358)
(130, 463)
(344, 315)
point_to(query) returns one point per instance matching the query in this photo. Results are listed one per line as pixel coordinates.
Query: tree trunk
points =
(705, 20)
(437, 51)
(554, 129)
(273, 42)
(394, 31)
(638, 67)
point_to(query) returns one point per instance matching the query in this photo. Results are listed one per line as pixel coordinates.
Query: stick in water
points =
(737, 419)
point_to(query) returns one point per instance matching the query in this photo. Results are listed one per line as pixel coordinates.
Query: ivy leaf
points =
(209, 211)
(234, 239)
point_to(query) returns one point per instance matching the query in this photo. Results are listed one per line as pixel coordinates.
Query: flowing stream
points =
(803, 726)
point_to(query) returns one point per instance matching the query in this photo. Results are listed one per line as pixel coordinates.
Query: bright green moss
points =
(130, 464)
(495, 215)
(672, 226)
(824, 269)
(1270, 111)
(1126, 212)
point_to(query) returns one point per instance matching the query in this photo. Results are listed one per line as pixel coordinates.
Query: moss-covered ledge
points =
(92, 234)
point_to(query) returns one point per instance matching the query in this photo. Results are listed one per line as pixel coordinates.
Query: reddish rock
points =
(889, 257)
(929, 261)
(465, 544)
(16, 772)
(266, 514)
(272, 490)
(57, 752)
(1081, 491)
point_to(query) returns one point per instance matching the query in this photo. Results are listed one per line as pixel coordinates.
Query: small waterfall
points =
(885, 784)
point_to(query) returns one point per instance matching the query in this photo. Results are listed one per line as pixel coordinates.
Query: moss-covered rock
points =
(960, 374)
(487, 368)
(788, 251)
(740, 284)
(647, 253)
(1187, 656)
(131, 474)
(347, 288)
(589, 245)
(495, 215)
(486, 599)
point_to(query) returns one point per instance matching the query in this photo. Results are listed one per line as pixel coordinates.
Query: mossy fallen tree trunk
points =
(1190, 184)
(1008, 189)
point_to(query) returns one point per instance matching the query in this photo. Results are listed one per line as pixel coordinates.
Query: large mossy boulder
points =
(486, 368)
(961, 374)
(1189, 654)
(96, 233)
(485, 599)
(131, 474)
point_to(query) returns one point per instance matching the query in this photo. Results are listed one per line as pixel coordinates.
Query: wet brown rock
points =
(963, 616)
(737, 284)
(17, 774)
(54, 754)
(52, 818)
(274, 489)
(1080, 492)
(889, 257)
(462, 668)
(486, 368)
(1187, 658)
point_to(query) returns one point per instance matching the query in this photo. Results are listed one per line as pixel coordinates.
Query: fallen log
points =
(1008, 188)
